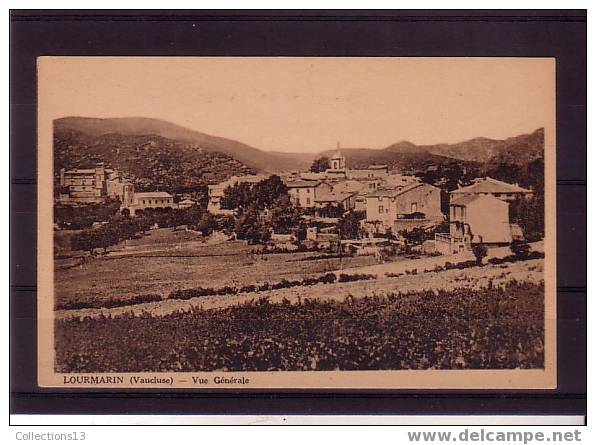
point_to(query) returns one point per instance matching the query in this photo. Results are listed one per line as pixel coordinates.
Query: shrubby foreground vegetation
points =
(488, 328)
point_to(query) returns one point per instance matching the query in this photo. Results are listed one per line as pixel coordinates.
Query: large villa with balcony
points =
(479, 213)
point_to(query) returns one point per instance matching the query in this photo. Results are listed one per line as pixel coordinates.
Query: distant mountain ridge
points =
(202, 150)
(516, 150)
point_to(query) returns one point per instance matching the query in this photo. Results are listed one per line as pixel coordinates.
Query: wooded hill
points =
(153, 162)
(251, 157)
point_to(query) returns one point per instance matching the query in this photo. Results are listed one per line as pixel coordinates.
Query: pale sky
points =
(309, 104)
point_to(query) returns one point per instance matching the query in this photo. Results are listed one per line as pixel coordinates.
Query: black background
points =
(559, 34)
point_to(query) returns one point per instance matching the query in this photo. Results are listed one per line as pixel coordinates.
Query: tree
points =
(520, 249)
(284, 216)
(260, 195)
(300, 231)
(479, 250)
(248, 227)
(332, 210)
(237, 196)
(224, 223)
(320, 164)
(506, 171)
(267, 191)
(529, 214)
(415, 236)
(348, 226)
(82, 241)
(206, 224)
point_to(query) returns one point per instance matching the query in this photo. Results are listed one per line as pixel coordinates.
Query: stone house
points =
(403, 208)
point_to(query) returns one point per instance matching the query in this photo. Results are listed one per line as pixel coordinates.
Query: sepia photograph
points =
(296, 222)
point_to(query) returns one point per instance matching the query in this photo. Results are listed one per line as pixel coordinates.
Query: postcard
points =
(277, 223)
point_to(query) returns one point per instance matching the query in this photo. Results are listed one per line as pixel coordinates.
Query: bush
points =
(533, 255)
(328, 278)
(479, 251)
(187, 294)
(355, 277)
(520, 249)
(393, 275)
(249, 288)
(110, 303)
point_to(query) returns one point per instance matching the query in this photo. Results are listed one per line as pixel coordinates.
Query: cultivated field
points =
(472, 278)
(407, 314)
(165, 261)
(464, 328)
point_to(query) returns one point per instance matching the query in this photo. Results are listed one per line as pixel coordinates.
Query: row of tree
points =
(120, 227)
(83, 217)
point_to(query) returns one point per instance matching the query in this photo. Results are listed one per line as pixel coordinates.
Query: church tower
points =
(338, 162)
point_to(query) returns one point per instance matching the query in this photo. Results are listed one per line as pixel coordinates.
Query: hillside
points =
(155, 162)
(515, 150)
(402, 158)
(476, 150)
(254, 158)
(519, 150)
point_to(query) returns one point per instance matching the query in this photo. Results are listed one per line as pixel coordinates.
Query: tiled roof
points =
(311, 176)
(393, 192)
(325, 196)
(302, 183)
(462, 201)
(490, 185)
(349, 186)
(152, 195)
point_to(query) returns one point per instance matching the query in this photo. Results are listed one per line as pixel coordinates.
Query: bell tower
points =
(338, 162)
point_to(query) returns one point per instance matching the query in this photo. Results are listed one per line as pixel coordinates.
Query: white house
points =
(304, 193)
(475, 219)
(135, 201)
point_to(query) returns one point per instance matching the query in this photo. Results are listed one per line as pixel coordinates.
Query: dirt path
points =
(474, 277)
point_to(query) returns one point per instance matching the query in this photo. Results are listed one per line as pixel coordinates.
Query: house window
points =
(414, 207)
(307, 190)
(307, 201)
(381, 209)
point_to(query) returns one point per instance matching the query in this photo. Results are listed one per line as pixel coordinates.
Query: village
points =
(253, 231)
(361, 240)
(387, 206)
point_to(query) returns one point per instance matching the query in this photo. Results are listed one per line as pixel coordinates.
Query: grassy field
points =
(463, 328)
(165, 260)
